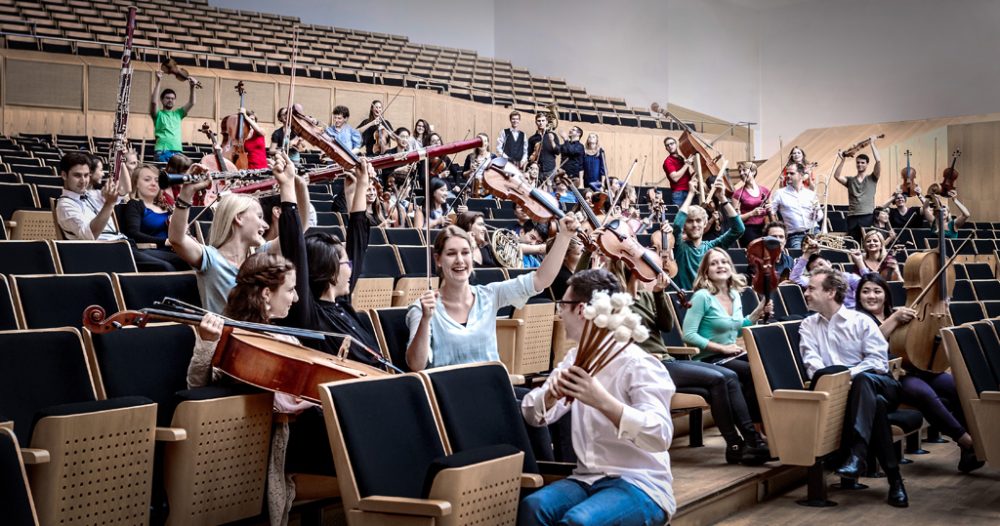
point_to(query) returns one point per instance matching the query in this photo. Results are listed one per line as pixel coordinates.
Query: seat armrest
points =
(794, 394)
(171, 434)
(556, 468)
(10, 223)
(517, 379)
(145, 246)
(405, 506)
(531, 480)
(7, 425)
(397, 294)
(32, 455)
(682, 351)
(990, 396)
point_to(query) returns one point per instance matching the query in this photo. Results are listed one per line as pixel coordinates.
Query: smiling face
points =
(777, 233)
(671, 146)
(250, 225)
(515, 120)
(404, 140)
(718, 269)
(455, 260)
(479, 231)
(338, 120)
(146, 185)
(872, 298)
(435, 140)
(818, 299)
(862, 164)
(694, 227)
(797, 155)
(419, 128)
(441, 195)
(97, 175)
(282, 298)
(77, 179)
(376, 108)
(873, 244)
(370, 195)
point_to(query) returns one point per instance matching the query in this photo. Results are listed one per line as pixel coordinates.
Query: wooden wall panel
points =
(315, 101)
(37, 120)
(102, 90)
(357, 100)
(399, 113)
(978, 187)
(259, 98)
(54, 86)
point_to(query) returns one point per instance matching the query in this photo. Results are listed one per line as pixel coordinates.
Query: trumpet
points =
(834, 243)
(167, 180)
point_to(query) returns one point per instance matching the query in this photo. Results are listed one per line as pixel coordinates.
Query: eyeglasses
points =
(560, 303)
(348, 263)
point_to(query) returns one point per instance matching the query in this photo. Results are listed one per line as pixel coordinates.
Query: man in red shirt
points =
(678, 172)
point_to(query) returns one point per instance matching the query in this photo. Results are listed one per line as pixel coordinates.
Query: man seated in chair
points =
(621, 429)
(839, 339)
(85, 213)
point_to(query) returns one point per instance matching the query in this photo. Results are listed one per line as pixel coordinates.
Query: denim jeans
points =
(795, 240)
(608, 501)
(678, 196)
(163, 156)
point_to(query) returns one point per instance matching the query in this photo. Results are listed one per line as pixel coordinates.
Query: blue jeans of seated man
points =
(678, 197)
(794, 240)
(163, 156)
(610, 500)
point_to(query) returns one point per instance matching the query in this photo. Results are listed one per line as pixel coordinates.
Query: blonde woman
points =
(715, 319)
(875, 258)
(238, 228)
(595, 166)
(147, 215)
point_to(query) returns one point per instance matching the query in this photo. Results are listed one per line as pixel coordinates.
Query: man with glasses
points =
(678, 172)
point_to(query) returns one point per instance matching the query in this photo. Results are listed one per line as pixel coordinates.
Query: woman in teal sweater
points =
(715, 319)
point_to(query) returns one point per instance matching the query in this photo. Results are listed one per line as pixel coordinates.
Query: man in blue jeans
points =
(621, 429)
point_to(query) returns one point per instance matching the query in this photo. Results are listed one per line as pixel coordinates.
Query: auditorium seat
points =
(15, 499)
(534, 355)
(403, 236)
(8, 314)
(963, 312)
(140, 290)
(413, 282)
(986, 289)
(16, 196)
(392, 334)
(970, 349)
(214, 463)
(396, 468)
(85, 257)
(34, 224)
(794, 301)
(26, 257)
(44, 301)
(46, 389)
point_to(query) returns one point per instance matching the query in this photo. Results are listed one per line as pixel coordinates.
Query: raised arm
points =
(963, 212)
(877, 170)
(152, 95)
(840, 166)
(185, 246)
(192, 98)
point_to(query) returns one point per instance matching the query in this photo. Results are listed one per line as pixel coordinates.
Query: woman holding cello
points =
(933, 394)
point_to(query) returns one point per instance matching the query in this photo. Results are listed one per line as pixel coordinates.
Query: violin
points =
(235, 130)
(311, 131)
(950, 174)
(617, 241)
(170, 67)
(909, 175)
(215, 162)
(251, 357)
(504, 180)
(438, 165)
(381, 137)
(762, 254)
(588, 213)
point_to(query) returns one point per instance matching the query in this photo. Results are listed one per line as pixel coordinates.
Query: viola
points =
(438, 165)
(950, 174)
(251, 357)
(762, 254)
(235, 131)
(908, 175)
(170, 67)
(504, 180)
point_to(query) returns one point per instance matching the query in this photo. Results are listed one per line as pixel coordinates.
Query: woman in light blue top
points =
(457, 323)
(715, 319)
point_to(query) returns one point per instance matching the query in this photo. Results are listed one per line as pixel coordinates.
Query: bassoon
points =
(119, 144)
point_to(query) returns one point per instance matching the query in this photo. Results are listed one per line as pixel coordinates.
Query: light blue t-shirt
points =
(451, 343)
(216, 277)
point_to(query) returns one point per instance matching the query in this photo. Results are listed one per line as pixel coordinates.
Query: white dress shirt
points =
(502, 139)
(637, 449)
(74, 212)
(796, 207)
(850, 338)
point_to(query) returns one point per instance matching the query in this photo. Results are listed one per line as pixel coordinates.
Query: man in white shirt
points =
(621, 429)
(512, 143)
(84, 213)
(797, 206)
(837, 339)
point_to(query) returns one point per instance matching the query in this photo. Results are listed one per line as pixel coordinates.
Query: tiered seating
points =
(324, 53)
(974, 354)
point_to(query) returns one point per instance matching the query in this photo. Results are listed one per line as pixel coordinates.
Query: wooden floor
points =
(939, 494)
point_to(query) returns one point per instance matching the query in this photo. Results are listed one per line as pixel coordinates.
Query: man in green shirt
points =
(167, 122)
(860, 191)
(690, 248)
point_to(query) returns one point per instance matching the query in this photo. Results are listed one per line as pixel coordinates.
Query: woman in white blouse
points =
(457, 323)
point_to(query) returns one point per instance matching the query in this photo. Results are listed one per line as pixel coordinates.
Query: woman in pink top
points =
(751, 199)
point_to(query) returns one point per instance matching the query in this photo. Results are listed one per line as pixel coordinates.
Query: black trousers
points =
(866, 424)
(721, 388)
(741, 366)
(158, 260)
(856, 223)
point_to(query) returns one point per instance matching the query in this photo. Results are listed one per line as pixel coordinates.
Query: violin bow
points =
(620, 193)
(286, 140)
(427, 215)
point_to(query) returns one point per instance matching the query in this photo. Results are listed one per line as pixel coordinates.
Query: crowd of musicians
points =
(261, 264)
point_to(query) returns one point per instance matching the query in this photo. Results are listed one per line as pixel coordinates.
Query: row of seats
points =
(325, 52)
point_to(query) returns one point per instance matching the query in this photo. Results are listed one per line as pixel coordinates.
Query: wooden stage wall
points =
(68, 94)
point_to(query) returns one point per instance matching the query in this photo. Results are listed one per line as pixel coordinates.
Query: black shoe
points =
(897, 493)
(967, 463)
(852, 468)
(734, 453)
(756, 454)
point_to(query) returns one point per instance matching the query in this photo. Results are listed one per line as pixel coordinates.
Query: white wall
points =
(859, 61)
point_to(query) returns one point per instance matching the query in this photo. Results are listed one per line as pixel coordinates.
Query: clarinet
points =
(120, 139)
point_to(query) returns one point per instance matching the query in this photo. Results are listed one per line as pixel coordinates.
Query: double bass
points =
(246, 354)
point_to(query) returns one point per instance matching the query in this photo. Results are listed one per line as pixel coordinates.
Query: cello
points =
(929, 279)
(235, 130)
(909, 175)
(246, 354)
